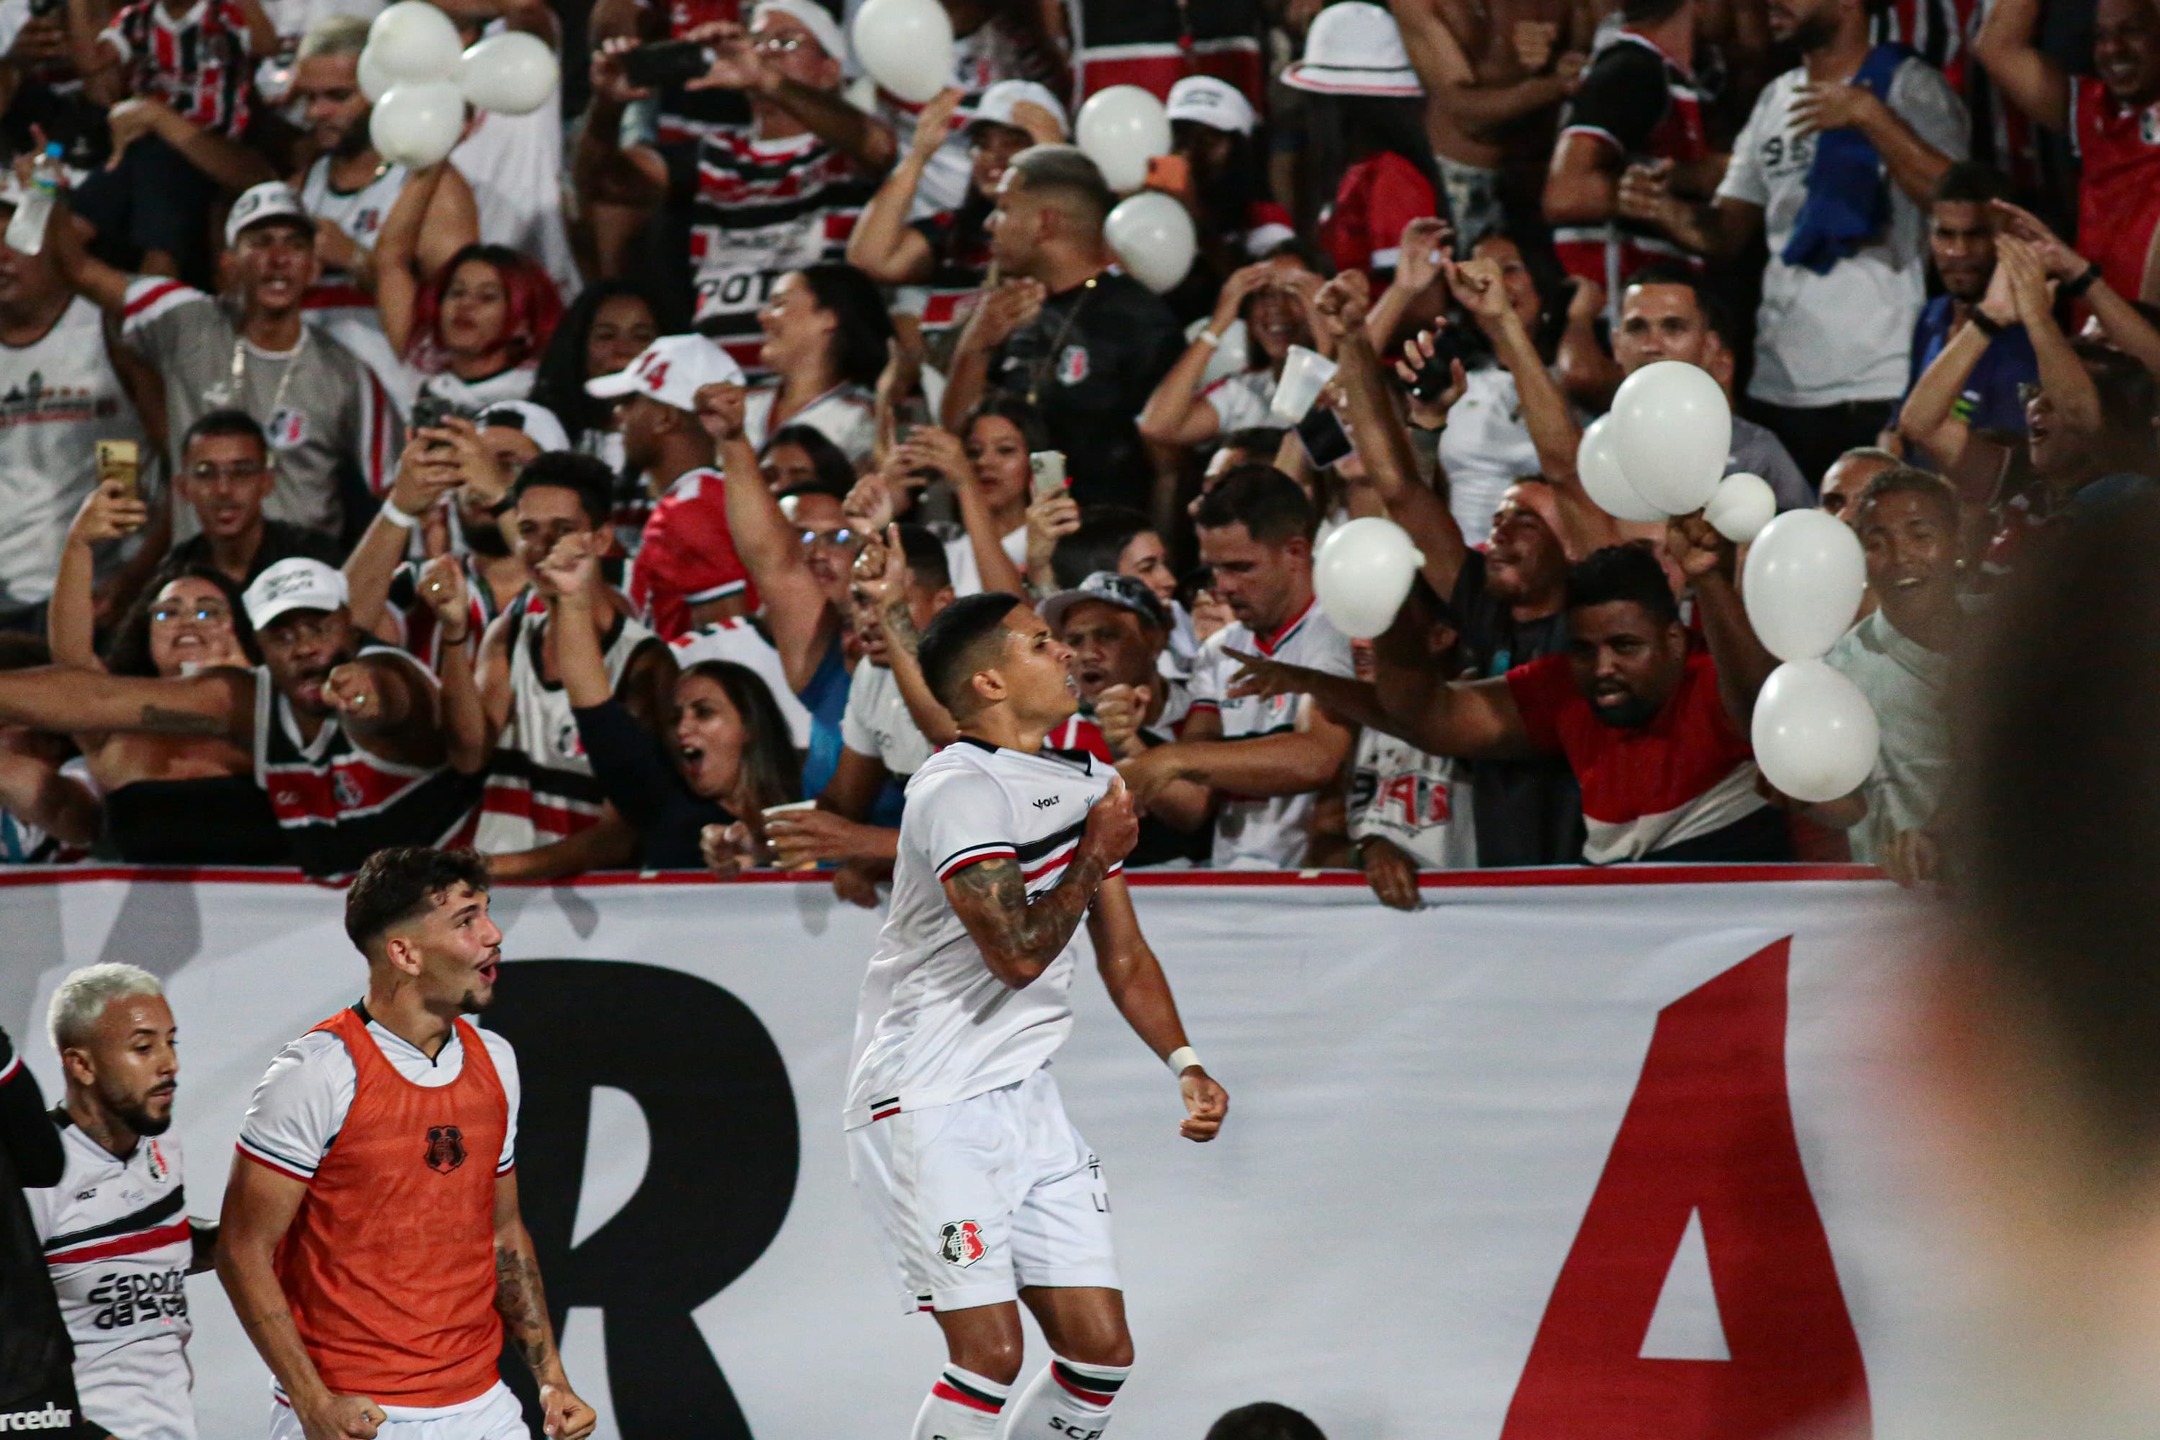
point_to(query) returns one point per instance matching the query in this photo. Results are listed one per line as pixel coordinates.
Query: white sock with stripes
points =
(1066, 1400)
(961, 1406)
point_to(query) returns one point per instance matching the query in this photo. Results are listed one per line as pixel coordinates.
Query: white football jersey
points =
(1271, 832)
(934, 1026)
(336, 303)
(118, 1243)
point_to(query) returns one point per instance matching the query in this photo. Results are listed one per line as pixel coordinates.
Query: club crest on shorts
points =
(961, 1243)
(1072, 365)
(445, 1148)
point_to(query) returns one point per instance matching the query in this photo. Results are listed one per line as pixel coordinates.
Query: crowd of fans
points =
(585, 495)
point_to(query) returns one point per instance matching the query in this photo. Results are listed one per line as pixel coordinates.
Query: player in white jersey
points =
(116, 1231)
(981, 1190)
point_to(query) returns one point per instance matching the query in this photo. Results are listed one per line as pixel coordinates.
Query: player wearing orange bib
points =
(377, 1275)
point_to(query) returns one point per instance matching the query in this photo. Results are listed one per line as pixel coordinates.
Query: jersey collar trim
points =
(1269, 644)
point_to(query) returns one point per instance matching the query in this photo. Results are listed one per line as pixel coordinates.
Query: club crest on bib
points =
(1072, 365)
(445, 1148)
(961, 1243)
(155, 1163)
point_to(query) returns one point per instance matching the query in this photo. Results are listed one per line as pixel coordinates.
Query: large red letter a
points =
(1710, 1130)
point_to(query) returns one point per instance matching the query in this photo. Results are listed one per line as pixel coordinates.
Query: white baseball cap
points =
(1353, 48)
(537, 421)
(813, 17)
(271, 200)
(672, 370)
(1217, 104)
(997, 104)
(295, 584)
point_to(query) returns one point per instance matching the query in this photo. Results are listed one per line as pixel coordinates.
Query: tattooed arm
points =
(522, 1304)
(1019, 937)
(64, 699)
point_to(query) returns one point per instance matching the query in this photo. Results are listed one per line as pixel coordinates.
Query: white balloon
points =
(513, 73)
(1122, 128)
(1740, 506)
(1154, 238)
(413, 40)
(418, 124)
(1815, 734)
(375, 82)
(906, 45)
(1362, 573)
(1599, 469)
(1802, 584)
(1672, 432)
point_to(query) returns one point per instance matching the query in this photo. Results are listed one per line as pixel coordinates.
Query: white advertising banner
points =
(1552, 1157)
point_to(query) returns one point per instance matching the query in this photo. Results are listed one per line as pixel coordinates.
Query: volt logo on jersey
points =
(961, 1242)
(445, 1148)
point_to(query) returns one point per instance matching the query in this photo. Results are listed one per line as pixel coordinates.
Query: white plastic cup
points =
(771, 810)
(1305, 373)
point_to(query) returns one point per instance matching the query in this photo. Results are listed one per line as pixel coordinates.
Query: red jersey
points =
(1378, 195)
(389, 1266)
(2119, 186)
(1643, 105)
(1687, 773)
(687, 556)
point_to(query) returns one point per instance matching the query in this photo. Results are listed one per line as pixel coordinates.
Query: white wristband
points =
(398, 517)
(1182, 1059)
(1208, 337)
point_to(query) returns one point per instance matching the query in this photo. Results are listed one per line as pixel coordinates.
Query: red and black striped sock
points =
(962, 1406)
(1066, 1399)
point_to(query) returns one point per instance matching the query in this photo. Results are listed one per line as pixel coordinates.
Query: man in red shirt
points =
(1655, 729)
(2112, 119)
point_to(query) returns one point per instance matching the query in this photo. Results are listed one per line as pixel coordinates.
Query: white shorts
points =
(491, 1415)
(974, 1201)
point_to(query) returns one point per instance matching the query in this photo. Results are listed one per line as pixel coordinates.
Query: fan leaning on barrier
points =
(1659, 453)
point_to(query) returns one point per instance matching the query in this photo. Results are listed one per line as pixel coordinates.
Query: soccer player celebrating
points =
(981, 1190)
(377, 1276)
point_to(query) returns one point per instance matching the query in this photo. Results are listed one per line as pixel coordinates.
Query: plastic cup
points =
(1305, 373)
(771, 810)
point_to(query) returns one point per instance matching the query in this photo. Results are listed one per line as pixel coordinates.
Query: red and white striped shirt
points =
(197, 62)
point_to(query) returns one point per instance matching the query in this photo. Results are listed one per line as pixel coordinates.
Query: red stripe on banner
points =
(1529, 877)
(125, 1245)
(944, 1391)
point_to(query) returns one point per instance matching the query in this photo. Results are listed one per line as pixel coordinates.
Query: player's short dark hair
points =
(1271, 506)
(1717, 318)
(2129, 399)
(834, 471)
(1648, 12)
(927, 562)
(1968, 182)
(228, 422)
(965, 637)
(585, 476)
(402, 882)
(1623, 574)
(1904, 479)
(1265, 1420)
(1065, 172)
(1105, 531)
(2050, 836)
